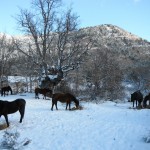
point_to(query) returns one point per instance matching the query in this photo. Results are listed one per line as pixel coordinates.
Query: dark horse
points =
(64, 98)
(7, 107)
(43, 91)
(137, 97)
(146, 98)
(5, 89)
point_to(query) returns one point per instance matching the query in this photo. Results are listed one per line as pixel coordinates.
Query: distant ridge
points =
(126, 46)
(129, 49)
(112, 30)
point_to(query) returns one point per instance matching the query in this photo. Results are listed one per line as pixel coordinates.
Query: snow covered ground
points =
(106, 126)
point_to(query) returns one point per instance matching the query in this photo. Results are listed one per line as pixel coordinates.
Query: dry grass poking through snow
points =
(79, 108)
(3, 126)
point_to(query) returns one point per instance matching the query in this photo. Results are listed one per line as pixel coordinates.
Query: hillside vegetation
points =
(98, 58)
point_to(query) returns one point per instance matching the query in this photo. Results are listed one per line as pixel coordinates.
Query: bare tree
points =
(103, 75)
(38, 25)
(6, 54)
(54, 38)
(139, 77)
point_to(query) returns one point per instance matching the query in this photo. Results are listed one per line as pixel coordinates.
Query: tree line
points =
(53, 45)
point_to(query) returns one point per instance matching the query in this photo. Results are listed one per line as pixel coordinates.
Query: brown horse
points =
(7, 107)
(137, 97)
(5, 89)
(64, 98)
(146, 98)
(43, 91)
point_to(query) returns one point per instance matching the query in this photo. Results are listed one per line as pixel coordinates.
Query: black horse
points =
(43, 91)
(138, 97)
(5, 89)
(64, 98)
(7, 107)
(146, 98)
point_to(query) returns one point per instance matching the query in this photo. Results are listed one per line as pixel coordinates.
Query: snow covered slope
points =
(106, 126)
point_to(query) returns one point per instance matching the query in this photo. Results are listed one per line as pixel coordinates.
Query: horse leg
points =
(21, 113)
(11, 91)
(69, 105)
(6, 118)
(44, 97)
(139, 104)
(2, 92)
(52, 106)
(66, 105)
(144, 104)
(136, 103)
(133, 103)
(36, 95)
(56, 105)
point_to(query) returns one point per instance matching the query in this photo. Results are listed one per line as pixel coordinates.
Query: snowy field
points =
(106, 126)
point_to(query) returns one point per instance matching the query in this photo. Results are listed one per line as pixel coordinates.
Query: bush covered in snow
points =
(11, 141)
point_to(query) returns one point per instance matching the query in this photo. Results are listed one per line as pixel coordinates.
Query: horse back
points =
(140, 96)
(59, 97)
(18, 104)
(42, 91)
(137, 96)
(67, 97)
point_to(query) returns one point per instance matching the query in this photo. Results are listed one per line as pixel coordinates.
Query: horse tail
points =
(22, 109)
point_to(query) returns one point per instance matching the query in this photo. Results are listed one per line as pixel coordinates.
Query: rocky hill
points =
(128, 48)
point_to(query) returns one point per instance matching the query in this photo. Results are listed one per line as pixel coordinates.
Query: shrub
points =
(10, 141)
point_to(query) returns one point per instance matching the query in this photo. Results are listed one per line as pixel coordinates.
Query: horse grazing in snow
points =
(5, 89)
(64, 98)
(7, 107)
(137, 97)
(43, 91)
(146, 98)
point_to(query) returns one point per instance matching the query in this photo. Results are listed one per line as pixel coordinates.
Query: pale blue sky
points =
(131, 15)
